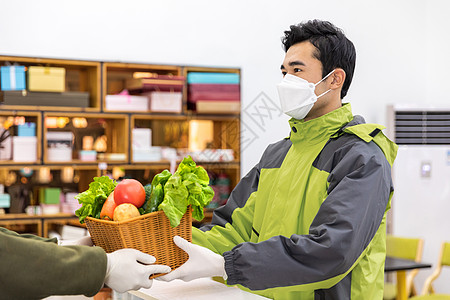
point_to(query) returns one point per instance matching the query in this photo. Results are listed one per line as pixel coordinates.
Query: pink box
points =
(126, 103)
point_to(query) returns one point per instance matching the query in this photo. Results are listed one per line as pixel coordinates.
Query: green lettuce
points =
(92, 199)
(175, 202)
(189, 185)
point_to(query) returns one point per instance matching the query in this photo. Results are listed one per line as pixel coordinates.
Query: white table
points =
(199, 289)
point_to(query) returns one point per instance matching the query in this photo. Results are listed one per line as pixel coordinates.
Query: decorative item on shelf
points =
(26, 129)
(5, 144)
(126, 102)
(217, 93)
(100, 144)
(24, 148)
(26, 172)
(118, 172)
(12, 78)
(67, 174)
(49, 199)
(87, 155)
(201, 132)
(66, 99)
(46, 79)
(59, 145)
(45, 175)
(79, 122)
(88, 142)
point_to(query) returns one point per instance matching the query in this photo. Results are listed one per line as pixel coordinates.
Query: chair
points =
(428, 291)
(406, 248)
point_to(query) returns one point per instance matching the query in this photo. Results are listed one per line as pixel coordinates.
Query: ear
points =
(337, 79)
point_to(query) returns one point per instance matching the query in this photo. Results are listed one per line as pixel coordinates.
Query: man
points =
(32, 267)
(309, 220)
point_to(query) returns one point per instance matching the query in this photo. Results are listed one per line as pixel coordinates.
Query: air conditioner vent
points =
(422, 127)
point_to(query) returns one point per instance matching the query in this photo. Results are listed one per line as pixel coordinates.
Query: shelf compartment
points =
(115, 76)
(19, 117)
(81, 76)
(112, 126)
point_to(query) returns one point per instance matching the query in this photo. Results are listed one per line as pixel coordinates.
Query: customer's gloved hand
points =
(84, 241)
(202, 262)
(130, 269)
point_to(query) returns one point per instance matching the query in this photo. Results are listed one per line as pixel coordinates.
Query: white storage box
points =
(142, 137)
(146, 154)
(59, 145)
(24, 148)
(126, 103)
(170, 102)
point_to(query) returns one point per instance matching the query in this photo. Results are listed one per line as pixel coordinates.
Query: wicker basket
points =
(150, 233)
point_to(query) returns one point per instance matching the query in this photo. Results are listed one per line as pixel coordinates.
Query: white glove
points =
(84, 241)
(202, 262)
(130, 269)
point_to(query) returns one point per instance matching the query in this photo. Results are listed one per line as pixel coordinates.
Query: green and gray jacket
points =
(309, 220)
(34, 268)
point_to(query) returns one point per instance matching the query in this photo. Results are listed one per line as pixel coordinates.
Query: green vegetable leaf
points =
(175, 202)
(92, 199)
(161, 178)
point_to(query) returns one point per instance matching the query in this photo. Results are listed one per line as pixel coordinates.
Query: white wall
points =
(402, 46)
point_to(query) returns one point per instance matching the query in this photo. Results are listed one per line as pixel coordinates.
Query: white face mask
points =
(297, 95)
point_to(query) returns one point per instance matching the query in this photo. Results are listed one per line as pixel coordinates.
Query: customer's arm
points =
(33, 268)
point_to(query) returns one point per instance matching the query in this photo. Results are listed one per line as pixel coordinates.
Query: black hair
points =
(334, 50)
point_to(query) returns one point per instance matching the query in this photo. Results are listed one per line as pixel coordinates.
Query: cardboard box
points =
(26, 129)
(49, 195)
(66, 99)
(46, 79)
(170, 102)
(126, 103)
(12, 78)
(218, 107)
(25, 148)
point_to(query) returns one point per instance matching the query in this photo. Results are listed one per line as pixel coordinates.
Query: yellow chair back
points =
(402, 247)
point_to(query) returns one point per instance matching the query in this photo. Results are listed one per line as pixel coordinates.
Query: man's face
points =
(300, 61)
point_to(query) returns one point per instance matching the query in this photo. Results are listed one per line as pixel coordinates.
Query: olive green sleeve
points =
(35, 268)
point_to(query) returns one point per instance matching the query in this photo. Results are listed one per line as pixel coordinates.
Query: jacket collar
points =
(321, 128)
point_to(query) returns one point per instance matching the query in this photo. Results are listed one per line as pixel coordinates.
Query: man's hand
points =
(130, 269)
(202, 262)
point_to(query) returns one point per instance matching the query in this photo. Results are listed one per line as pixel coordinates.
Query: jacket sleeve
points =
(33, 268)
(232, 223)
(359, 190)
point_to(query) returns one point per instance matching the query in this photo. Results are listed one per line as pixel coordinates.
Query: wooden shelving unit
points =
(102, 78)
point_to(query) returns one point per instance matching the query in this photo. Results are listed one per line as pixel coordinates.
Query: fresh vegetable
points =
(125, 211)
(92, 199)
(156, 197)
(148, 193)
(107, 211)
(187, 186)
(129, 191)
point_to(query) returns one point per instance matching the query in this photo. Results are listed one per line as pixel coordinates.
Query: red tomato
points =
(129, 191)
(108, 208)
